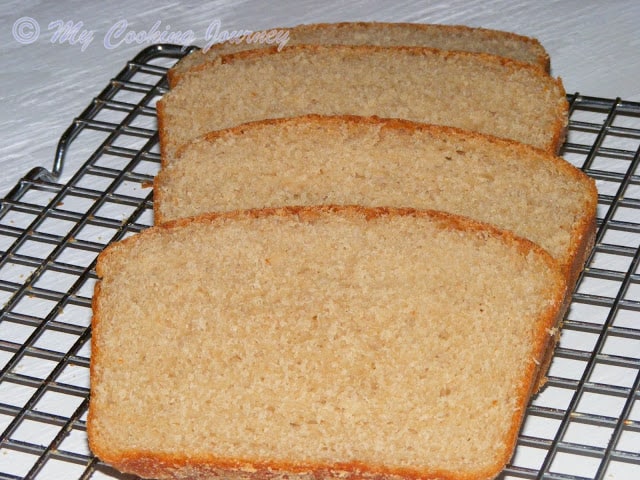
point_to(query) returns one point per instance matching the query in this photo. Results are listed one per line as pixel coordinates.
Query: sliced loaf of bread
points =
(318, 342)
(314, 160)
(444, 37)
(473, 91)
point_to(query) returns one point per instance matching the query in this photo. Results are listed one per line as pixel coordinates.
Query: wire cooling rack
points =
(585, 424)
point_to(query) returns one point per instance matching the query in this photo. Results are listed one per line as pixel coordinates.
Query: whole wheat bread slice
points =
(315, 160)
(444, 37)
(467, 90)
(321, 341)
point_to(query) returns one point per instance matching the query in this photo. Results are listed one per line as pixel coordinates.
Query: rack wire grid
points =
(585, 424)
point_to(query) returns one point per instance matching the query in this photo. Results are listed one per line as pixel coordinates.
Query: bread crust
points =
(413, 50)
(198, 59)
(173, 467)
(309, 213)
(162, 130)
(182, 466)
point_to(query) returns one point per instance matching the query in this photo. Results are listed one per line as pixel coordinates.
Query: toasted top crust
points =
(445, 37)
(473, 91)
(338, 341)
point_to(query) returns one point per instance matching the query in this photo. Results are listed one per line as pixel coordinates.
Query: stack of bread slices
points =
(365, 244)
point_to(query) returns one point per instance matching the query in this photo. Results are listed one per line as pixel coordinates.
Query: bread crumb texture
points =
(472, 91)
(322, 337)
(445, 37)
(313, 160)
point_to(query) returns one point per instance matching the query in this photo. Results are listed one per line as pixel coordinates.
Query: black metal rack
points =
(584, 425)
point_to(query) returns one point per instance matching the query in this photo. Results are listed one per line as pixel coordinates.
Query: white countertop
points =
(48, 80)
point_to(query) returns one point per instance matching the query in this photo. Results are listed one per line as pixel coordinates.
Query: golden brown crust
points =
(95, 359)
(176, 73)
(149, 465)
(383, 123)
(358, 49)
(309, 213)
(162, 130)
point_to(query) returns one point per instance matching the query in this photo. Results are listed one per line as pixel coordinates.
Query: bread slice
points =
(380, 162)
(468, 90)
(444, 37)
(318, 342)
